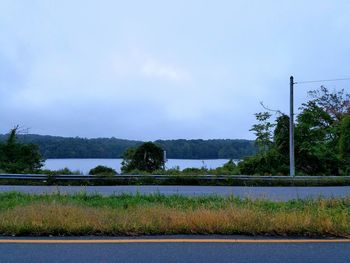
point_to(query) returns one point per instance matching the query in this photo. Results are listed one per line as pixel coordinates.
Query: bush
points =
(64, 171)
(268, 163)
(172, 171)
(103, 171)
(229, 168)
(194, 171)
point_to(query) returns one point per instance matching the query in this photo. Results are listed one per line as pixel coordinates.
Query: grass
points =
(82, 214)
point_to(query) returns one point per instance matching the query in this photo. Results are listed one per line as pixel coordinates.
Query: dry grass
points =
(323, 218)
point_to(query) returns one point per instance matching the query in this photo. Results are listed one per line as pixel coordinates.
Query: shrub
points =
(229, 168)
(103, 171)
(64, 171)
(194, 171)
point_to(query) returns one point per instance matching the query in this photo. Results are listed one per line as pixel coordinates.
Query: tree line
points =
(63, 147)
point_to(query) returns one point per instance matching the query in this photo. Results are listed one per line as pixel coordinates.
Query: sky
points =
(158, 69)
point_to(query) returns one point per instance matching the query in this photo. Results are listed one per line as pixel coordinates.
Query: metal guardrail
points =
(163, 177)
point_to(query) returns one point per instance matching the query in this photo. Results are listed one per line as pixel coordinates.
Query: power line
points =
(323, 80)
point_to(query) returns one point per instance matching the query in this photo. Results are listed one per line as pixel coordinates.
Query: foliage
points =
(64, 171)
(336, 104)
(207, 149)
(321, 138)
(147, 157)
(127, 165)
(229, 168)
(316, 136)
(281, 135)
(103, 171)
(344, 143)
(60, 147)
(269, 163)
(194, 171)
(18, 157)
(262, 131)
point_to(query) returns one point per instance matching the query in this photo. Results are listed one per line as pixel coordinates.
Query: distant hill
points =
(68, 147)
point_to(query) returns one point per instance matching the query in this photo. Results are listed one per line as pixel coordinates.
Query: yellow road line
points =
(106, 241)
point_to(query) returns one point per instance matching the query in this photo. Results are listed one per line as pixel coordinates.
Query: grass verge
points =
(82, 214)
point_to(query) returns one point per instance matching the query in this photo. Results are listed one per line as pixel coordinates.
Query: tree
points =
(281, 135)
(336, 104)
(268, 161)
(262, 131)
(316, 136)
(344, 143)
(147, 157)
(322, 140)
(17, 157)
(128, 163)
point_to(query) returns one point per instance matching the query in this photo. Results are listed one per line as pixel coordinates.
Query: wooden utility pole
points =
(291, 128)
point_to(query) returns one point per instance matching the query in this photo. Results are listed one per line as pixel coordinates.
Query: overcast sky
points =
(163, 69)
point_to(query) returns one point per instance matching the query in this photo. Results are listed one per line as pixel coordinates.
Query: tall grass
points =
(83, 214)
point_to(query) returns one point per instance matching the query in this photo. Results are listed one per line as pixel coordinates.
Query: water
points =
(84, 165)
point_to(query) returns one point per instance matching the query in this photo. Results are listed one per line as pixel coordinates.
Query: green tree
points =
(18, 157)
(266, 161)
(281, 135)
(344, 143)
(148, 157)
(316, 136)
(262, 131)
(128, 163)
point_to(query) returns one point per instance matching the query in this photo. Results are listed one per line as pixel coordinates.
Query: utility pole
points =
(291, 128)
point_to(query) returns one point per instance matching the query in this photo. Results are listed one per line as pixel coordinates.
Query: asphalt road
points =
(176, 252)
(273, 193)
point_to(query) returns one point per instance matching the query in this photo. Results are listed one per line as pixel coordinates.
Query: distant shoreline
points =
(54, 147)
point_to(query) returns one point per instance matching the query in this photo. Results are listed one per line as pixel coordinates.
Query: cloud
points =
(142, 63)
(162, 70)
(154, 69)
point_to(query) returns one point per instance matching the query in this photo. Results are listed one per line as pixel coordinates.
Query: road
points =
(228, 250)
(273, 193)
